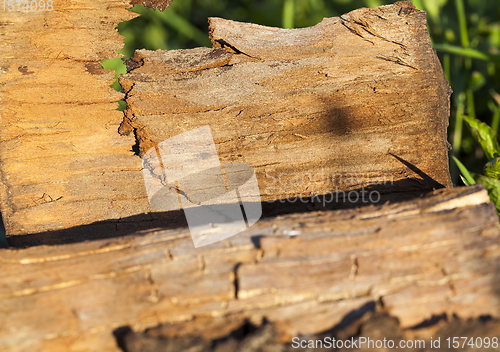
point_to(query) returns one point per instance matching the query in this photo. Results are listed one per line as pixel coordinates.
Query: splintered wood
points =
(355, 102)
(304, 273)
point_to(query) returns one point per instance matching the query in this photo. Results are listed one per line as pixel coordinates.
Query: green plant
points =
(486, 137)
(466, 34)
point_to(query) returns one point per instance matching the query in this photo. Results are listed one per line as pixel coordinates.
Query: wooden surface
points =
(304, 273)
(59, 149)
(362, 97)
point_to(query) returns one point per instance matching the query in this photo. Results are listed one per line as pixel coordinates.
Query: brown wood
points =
(362, 97)
(304, 273)
(60, 152)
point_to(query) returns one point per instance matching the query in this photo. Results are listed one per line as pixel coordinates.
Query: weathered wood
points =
(362, 95)
(304, 273)
(359, 96)
(59, 150)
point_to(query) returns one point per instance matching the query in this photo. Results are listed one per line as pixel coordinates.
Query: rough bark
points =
(303, 273)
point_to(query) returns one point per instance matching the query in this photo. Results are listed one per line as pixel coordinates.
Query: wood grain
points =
(354, 102)
(61, 156)
(360, 98)
(302, 272)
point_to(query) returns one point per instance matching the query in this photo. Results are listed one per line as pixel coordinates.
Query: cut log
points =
(356, 102)
(303, 273)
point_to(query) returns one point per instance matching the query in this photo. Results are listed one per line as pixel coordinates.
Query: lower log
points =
(304, 273)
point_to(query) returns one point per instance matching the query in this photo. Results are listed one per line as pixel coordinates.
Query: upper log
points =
(358, 101)
(355, 102)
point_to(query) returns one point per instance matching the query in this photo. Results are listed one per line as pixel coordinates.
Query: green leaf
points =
(485, 136)
(465, 173)
(493, 187)
(492, 169)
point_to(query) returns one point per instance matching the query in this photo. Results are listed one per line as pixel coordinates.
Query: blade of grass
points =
(465, 173)
(471, 110)
(484, 135)
(446, 67)
(457, 133)
(467, 52)
(462, 20)
(496, 116)
(464, 181)
(184, 27)
(288, 15)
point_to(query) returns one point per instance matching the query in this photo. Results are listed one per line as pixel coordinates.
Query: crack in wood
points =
(396, 60)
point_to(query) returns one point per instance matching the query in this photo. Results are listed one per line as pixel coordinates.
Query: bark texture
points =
(303, 273)
(62, 161)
